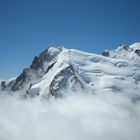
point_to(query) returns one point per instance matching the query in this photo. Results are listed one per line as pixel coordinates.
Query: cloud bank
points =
(75, 117)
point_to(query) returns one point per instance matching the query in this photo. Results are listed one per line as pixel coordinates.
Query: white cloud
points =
(76, 117)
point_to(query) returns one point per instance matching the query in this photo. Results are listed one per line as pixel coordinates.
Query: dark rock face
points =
(35, 70)
(20, 80)
(45, 56)
(105, 53)
(50, 66)
(66, 75)
(126, 47)
(3, 85)
(137, 51)
(35, 64)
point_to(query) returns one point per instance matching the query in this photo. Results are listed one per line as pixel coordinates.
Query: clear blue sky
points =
(27, 27)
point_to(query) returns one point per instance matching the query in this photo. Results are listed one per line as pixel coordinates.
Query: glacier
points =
(58, 71)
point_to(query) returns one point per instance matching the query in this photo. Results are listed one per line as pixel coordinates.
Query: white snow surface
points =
(98, 73)
(135, 45)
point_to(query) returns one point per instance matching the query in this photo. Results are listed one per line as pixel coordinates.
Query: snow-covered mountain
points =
(59, 71)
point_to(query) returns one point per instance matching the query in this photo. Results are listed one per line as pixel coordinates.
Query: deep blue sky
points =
(27, 27)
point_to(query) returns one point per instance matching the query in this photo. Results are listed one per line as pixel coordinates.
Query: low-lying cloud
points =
(75, 117)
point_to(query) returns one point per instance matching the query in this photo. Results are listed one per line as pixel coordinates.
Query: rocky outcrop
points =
(137, 51)
(65, 79)
(37, 69)
(3, 85)
(106, 53)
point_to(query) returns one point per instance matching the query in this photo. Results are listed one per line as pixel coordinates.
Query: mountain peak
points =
(135, 45)
(131, 52)
(44, 57)
(59, 70)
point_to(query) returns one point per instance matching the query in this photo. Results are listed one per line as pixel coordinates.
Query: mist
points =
(75, 117)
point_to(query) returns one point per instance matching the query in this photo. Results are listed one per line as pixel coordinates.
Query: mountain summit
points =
(59, 71)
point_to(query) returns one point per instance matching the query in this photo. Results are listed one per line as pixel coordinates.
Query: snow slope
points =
(60, 71)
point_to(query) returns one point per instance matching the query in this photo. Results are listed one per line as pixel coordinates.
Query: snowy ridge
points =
(58, 71)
